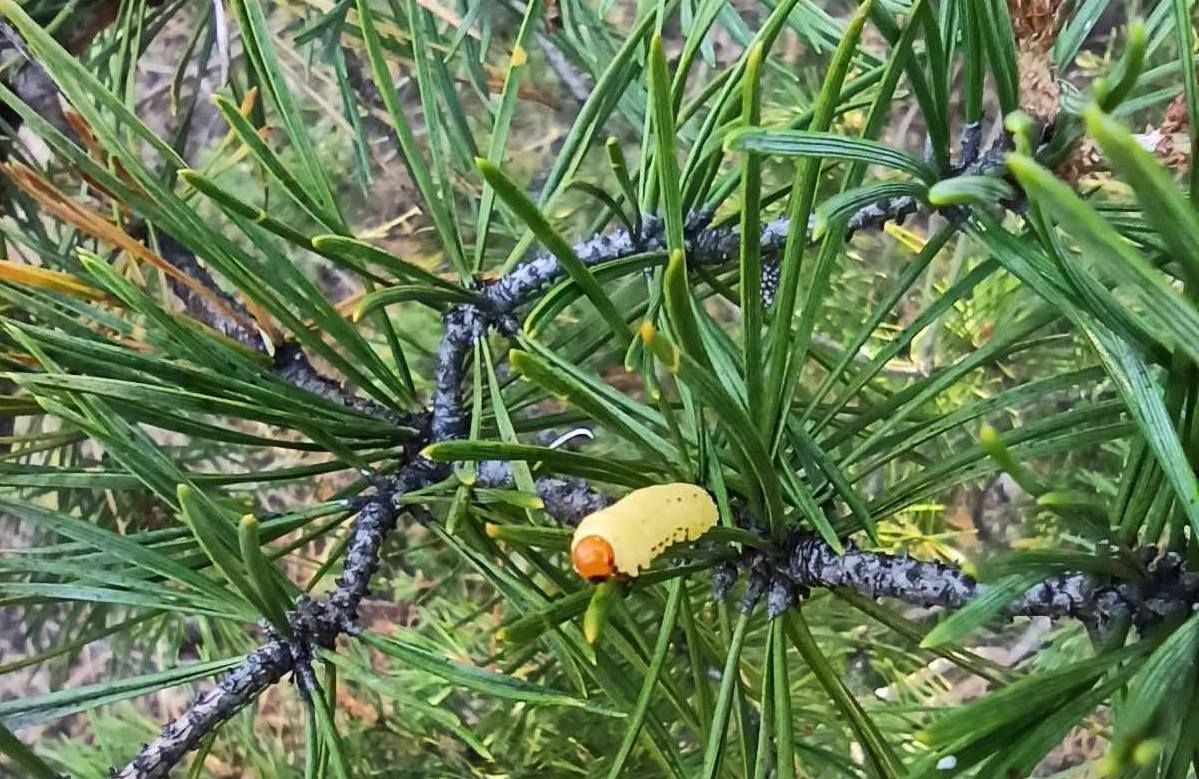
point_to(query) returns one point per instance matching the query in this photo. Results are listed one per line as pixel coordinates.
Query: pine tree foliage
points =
(836, 263)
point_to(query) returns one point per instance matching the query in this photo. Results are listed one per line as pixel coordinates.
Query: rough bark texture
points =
(313, 624)
(813, 563)
(1167, 591)
(566, 499)
(182, 258)
(461, 326)
(293, 366)
(30, 82)
(240, 687)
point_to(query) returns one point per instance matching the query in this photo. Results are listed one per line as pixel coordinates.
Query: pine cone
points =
(1038, 21)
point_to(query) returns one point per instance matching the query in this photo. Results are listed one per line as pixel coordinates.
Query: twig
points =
(290, 362)
(197, 307)
(30, 82)
(575, 83)
(312, 623)
(564, 498)
(262, 668)
(1168, 590)
(293, 366)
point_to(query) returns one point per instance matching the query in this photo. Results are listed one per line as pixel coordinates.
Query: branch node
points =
(781, 596)
(724, 576)
(759, 580)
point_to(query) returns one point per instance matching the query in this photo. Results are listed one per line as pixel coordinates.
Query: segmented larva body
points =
(627, 536)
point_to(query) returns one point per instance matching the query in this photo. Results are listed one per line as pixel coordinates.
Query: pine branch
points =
(293, 366)
(196, 306)
(262, 668)
(576, 84)
(564, 498)
(1167, 591)
(290, 362)
(807, 562)
(318, 624)
(371, 527)
(30, 82)
(312, 623)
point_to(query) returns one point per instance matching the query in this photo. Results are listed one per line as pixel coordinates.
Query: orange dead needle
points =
(593, 559)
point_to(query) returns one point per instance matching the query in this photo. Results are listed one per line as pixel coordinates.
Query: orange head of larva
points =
(593, 559)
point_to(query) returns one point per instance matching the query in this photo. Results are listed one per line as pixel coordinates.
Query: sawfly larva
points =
(626, 536)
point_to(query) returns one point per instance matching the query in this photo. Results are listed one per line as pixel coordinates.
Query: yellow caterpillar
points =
(626, 536)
